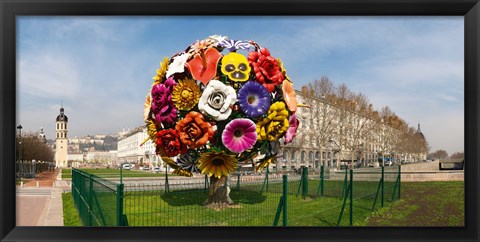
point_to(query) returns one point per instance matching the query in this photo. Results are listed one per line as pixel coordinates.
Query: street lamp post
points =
(19, 127)
(33, 168)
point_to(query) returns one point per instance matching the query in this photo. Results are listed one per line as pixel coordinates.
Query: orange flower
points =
(193, 130)
(203, 66)
(289, 95)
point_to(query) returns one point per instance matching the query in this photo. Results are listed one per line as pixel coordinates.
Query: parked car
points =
(156, 169)
(127, 166)
(144, 168)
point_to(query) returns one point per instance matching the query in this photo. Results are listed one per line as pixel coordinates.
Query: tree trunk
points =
(219, 192)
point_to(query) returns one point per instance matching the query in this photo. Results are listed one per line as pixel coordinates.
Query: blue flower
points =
(254, 99)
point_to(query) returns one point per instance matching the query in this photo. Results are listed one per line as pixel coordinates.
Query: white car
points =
(156, 169)
(127, 166)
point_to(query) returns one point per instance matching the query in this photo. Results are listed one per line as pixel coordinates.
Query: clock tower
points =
(61, 140)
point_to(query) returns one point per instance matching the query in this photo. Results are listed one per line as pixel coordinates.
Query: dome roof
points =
(62, 116)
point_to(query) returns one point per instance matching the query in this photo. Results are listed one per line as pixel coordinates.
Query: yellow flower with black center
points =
(275, 124)
(217, 164)
(161, 73)
(186, 94)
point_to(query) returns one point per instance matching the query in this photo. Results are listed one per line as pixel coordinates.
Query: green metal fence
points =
(98, 200)
(327, 198)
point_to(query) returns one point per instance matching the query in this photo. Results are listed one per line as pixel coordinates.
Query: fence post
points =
(322, 180)
(300, 185)
(351, 197)
(383, 184)
(305, 183)
(90, 200)
(285, 182)
(120, 204)
(167, 186)
(344, 189)
(265, 181)
(399, 179)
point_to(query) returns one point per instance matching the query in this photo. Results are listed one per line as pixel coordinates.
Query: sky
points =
(100, 68)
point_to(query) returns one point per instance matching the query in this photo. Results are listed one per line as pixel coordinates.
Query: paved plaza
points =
(39, 201)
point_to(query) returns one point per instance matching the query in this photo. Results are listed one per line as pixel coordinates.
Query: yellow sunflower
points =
(151, 131)
(160, 77)
(217, 164)
(186, 94)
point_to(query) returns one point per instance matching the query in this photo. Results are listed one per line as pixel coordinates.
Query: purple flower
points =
(254, 99)
(239, 135)
(292, 130)
(234, 45)
(162, 106)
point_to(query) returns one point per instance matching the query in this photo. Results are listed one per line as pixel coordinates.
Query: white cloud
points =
(48, 75)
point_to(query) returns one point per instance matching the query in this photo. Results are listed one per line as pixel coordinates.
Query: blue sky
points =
(101, 68)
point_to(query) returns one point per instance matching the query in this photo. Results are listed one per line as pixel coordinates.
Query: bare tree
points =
(322, 114)
(439, 154)
(30, 147)
(358, 126)
(458, 155)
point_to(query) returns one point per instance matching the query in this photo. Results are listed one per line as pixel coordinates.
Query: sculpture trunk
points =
(219, 191)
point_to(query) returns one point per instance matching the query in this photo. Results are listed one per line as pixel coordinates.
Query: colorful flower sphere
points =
(219, 104)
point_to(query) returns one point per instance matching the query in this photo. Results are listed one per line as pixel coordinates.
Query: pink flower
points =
(292, 130)
(239, 135)
(162, 106)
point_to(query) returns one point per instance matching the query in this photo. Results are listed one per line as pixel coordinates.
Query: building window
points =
(57, 126)
(65, 125)
(303, 156)
(293, 156)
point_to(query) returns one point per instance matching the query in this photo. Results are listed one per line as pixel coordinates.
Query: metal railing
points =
(30, 169)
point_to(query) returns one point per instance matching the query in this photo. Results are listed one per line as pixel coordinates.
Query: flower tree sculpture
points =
(212, 108)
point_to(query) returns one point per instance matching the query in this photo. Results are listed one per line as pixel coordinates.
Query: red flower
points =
(266, 68)
(169, 141)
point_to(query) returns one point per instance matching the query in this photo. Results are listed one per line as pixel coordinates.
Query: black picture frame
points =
(10, 9)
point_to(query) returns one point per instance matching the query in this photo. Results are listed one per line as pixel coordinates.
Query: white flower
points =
(177, 65)
(218, 38)
(216, 100)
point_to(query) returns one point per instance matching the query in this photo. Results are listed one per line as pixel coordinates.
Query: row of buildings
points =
(332, 132)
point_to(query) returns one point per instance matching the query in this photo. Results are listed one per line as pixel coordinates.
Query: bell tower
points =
(61, 140)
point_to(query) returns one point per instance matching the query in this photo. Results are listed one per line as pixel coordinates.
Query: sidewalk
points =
(39, 201)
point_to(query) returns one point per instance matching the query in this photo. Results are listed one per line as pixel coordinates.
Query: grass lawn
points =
(424, 204)
(70, 213)
(421, 204)
(104, 172)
